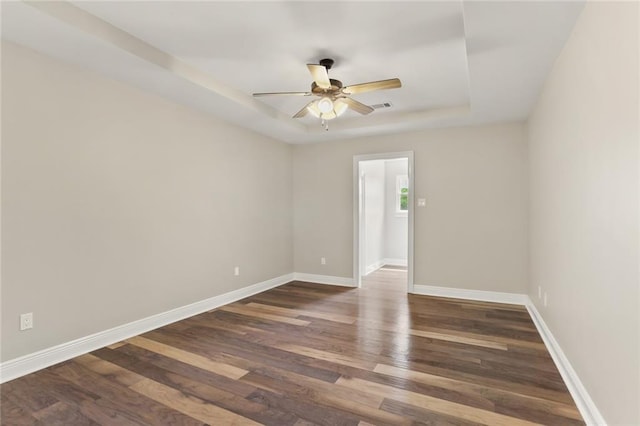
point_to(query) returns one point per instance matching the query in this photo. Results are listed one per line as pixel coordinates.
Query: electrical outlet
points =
(539, 292)
(236, 271)
(545, 299)
(323, 261)
(26, 321)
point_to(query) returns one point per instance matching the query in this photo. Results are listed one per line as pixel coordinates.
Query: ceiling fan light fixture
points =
(325, 105)
(328, 115)
(326, 109)
(313, 109)
(339, 107)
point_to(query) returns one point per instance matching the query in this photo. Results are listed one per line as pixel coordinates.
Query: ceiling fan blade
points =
(303, 111)
(283, 93)
(320, 75)
(392, 83)
(357, 106)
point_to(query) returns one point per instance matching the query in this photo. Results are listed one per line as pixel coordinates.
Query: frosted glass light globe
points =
(325, 105)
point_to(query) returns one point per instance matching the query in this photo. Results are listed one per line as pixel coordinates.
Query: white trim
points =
(26, 364)
(356, 281)
(394, 262)
(410, 219)
(461, 293)
(398, 195)
(30, 363)
(374, 267)
(324, 279)
(581, 397)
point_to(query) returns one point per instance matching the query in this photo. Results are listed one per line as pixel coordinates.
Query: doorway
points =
(383, 216)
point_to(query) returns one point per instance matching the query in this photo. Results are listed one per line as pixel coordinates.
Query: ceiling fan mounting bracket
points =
(327, 63)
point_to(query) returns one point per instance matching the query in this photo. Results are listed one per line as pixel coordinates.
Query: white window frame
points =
(402, 181)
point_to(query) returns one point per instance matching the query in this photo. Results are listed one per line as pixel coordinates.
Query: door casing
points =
(357, 212)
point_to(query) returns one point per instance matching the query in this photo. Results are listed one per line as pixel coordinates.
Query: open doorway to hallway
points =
(383, 220)
(388, 278)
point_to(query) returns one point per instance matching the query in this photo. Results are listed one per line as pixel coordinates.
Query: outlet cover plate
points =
(26, 321)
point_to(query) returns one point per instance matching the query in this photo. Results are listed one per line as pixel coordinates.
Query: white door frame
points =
(357, 267)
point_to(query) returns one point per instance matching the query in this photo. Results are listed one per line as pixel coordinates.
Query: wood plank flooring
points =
(309, 354)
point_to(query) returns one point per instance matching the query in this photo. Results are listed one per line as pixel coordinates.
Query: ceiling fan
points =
(333, 96)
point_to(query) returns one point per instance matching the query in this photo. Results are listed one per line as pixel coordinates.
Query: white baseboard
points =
(324, 279)
(481, 295)
(581, 397)
(585, 404)
(382, 262)
(26, 364)
(394, 262)
(374, 267)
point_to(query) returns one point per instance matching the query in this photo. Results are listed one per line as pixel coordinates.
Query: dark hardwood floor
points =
(305, 354)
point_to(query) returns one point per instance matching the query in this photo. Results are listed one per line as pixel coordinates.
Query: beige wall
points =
(473, 232)
(117, 205)
(584, 206)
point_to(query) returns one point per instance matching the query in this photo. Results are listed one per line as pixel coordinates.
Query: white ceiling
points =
(460, 63)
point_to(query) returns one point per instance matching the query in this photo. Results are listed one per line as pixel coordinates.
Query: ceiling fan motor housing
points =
(335, 86)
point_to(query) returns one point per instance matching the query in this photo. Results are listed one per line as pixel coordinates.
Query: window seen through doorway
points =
(402, 195)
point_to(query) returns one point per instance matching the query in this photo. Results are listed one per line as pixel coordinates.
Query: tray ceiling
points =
(460, 63)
